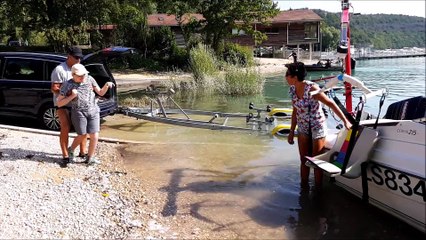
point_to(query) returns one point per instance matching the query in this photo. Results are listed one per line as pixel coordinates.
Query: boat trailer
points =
(264, 120)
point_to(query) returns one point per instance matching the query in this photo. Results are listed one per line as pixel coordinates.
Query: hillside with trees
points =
(380, 31)
(56, 24)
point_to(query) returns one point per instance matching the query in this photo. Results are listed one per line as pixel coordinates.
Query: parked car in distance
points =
(25, 83)
(16, 43)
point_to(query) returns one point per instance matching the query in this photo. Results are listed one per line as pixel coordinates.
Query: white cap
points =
(79, 70)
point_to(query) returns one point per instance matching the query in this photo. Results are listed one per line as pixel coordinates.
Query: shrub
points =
(203, 64)
(118, 63)
(135, 61)
(238, 55)
(241, 81)
(179, 57)
(160, 42)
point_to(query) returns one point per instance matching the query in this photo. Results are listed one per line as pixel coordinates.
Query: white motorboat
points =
(395, 170)
(380, 160)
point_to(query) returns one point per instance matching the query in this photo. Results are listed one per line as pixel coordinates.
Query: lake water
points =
(249, 183)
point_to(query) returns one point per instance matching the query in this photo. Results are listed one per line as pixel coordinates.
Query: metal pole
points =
(346, 40)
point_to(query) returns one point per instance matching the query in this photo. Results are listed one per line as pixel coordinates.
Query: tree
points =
(67, 22)
(220, 17)
(131, 19)
(63, 22)
(330, 37)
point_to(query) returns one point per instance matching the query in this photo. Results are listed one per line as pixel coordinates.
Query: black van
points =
(25, 83)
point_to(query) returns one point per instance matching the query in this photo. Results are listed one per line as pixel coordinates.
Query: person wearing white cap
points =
(59, 75)
(79, 92)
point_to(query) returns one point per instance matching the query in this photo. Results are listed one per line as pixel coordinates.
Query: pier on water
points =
(389, 56)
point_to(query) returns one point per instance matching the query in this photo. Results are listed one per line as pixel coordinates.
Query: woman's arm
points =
(331, 104)
(64, 100)
(97, 89)
(293, 120)
(290, 138)
(55, 87)
(104, 89)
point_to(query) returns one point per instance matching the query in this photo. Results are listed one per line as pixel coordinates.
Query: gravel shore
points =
(41, 200)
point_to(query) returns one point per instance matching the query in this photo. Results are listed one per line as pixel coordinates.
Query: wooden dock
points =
(390, 56)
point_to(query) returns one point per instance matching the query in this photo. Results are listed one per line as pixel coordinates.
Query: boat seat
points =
(332, 162)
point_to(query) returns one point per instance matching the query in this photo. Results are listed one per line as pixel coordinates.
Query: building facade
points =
(289, 30)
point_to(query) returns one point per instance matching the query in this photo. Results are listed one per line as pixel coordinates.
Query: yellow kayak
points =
(282, 129)
(280, 112)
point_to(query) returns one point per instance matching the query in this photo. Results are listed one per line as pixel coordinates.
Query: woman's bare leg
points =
(65, 123)
(318, 146)
(77, 141)
(303, 142)
(92, 144)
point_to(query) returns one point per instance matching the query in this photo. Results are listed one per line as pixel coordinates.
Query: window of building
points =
(311, 31)
(270, 30)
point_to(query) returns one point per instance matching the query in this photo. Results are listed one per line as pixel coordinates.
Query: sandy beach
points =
(266, 66)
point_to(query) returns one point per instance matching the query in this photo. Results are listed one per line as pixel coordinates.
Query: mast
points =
(344, 50)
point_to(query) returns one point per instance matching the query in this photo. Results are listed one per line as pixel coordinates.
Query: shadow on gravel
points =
(26, 122)
(13, 154)
(20, 122)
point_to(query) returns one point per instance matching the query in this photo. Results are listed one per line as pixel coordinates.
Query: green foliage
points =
(96, 39)
(136, 61)
(238, 55)
(203, 64)
(232, 80)
(68, 22)
(130, 26)
(178, 58)
(378, 30)
(330, 37)
(241, 81)
(37, 39)
(162, 47)
(160, 42)
(28, 48)
(150, 64)
(221, 16)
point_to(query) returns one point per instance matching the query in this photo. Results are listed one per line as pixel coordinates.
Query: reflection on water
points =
(249, 182)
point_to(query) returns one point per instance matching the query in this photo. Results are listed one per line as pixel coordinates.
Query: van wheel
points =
(48, 118)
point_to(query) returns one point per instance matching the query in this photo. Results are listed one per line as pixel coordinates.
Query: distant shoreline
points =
(390, 56)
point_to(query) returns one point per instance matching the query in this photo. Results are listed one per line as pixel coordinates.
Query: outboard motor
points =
(408, 109)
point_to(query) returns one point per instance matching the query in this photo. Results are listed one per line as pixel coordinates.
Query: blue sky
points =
(412, 8)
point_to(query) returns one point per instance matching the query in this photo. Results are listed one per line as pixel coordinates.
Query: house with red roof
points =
(292, 28)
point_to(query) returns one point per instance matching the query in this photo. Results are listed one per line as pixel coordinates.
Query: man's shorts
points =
(85, 122)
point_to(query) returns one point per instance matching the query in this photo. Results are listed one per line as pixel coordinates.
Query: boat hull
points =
(396, 172)
(312, 68)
